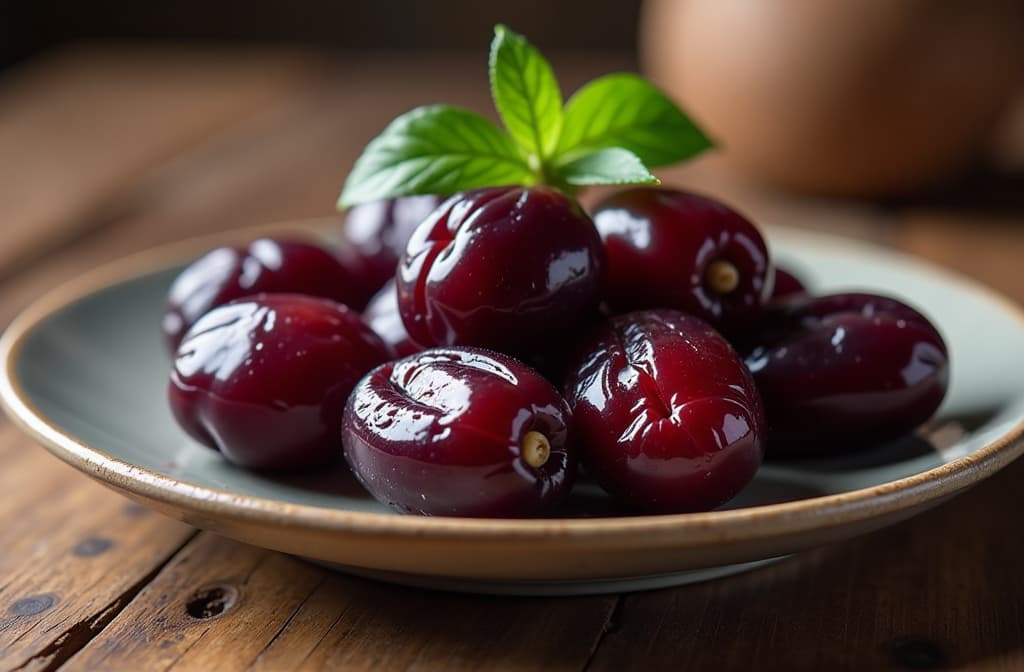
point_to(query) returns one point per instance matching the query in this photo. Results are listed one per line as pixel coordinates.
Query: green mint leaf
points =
(612, 165)
(625, 110)
(436, 149)
(525, 92)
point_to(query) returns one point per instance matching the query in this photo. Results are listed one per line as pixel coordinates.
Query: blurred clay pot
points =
(858, 97)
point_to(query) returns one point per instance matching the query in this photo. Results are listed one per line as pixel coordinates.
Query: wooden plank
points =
(77, 130)
(940, 591)
(894, 599)
(287, 161)
(73, 554)
(280, 613)
(77, 127)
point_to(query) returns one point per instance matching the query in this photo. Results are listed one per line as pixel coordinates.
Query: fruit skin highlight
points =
(668, 417)
(264, 265)
(845, 371)
(374, 236)
(671, 249)
(382, 316)
(264, 380)
(460, 432)
(630, 310)
(513, 269)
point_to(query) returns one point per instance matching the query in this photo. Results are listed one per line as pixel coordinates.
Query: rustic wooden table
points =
(105, 151)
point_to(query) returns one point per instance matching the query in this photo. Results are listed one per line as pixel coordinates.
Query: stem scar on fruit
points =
(536, 449)
(722, 276)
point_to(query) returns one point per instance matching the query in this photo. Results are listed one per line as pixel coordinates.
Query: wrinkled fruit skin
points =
(264, 380)
(845, 371)
(441, 433)
(667, 415)
(508, 268)
(660, 244)
(383, 317)
(375, 234)
(265, 265)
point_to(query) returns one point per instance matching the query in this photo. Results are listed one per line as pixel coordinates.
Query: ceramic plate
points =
(84, 372)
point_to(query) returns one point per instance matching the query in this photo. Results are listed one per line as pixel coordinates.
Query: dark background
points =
(27, 26)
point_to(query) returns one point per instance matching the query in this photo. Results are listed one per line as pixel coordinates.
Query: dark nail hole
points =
(211, 602)
(33, 604)
(916, 654)
(92, 546)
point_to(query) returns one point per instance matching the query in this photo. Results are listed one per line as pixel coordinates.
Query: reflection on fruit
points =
(375, 234)
(264, 265)
(668, 416)
(672, 249)
(845, 371)
(264, 379)
(460, 432)
(507, 268)
(383, 317)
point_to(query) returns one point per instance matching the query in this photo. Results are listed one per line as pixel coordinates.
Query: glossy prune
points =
(507, 268)
(786, 284)
(383, 317)
(264, 265)
(845, 371)
(460, 432)
(672, 249)
(668, 416)
(264, 379)
(375, 234)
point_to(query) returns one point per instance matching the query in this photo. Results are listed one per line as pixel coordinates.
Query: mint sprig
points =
(525, 92)
(625, 110)
(611, 165)
(611, 132)
(434, 149)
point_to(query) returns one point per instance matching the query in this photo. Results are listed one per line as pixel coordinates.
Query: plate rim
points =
(748, 523)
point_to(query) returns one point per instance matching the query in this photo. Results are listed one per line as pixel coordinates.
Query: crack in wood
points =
(609, 625)
(75, 638)
(320, 640)
(288, 621)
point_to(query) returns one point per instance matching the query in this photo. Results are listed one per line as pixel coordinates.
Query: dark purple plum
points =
(513, 269)
(383, 317)
(264, 379)
(786, 285)
(375, 234)
(460, 432)
(264, 265)
(667, 414)
(845, 371)
(672, 249)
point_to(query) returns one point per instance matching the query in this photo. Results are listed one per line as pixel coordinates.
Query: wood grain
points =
(78, 127)
(279, 613)
(941, 591)
(73, 554)
(287, 160)
(78, 131)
